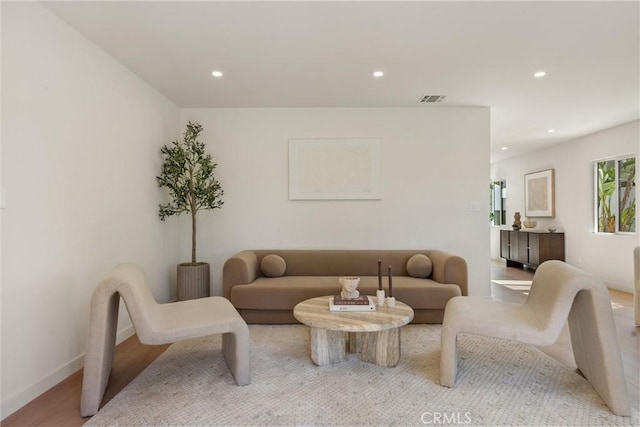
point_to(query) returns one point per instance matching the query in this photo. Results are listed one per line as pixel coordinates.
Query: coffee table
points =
(376, 335)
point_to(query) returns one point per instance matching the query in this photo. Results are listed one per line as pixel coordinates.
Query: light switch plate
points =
(474, 206)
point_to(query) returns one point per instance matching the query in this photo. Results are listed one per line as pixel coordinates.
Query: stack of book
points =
(362, 303)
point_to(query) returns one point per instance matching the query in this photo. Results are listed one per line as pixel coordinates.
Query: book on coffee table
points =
(362, 303)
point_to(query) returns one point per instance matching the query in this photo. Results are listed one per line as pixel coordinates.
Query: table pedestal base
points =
(327, 347)
(381, 348)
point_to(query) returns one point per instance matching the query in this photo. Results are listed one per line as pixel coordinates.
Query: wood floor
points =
(60, 405)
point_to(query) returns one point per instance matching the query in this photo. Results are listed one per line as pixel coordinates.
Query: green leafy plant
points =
(188, 175)
(618, 184)
(606, 189)
(627, 181)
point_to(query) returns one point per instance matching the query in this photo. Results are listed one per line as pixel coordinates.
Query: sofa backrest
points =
(342, 262)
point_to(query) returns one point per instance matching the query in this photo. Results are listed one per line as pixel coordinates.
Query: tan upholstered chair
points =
(636, 284)
(559, 292)
(155, 324)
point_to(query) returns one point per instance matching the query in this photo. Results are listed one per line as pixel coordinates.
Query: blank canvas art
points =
(334, 168)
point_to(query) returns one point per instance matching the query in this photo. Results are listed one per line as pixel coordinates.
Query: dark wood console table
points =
(530, 248)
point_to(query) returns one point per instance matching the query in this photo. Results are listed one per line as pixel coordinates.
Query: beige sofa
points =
(312, 273)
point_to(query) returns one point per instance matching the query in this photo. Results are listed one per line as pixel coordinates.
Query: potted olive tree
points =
(188, 175)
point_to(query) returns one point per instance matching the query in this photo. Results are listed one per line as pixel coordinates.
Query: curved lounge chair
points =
(558, 292)
(155, 324)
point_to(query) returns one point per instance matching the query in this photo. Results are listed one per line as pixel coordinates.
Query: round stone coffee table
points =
(374, 334)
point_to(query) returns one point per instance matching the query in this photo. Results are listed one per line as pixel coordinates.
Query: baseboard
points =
(12, 404)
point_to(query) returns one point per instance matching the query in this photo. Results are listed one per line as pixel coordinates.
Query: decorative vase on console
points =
(517, 225)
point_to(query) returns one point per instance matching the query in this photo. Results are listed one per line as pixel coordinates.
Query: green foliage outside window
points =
(497, 200)
(627, 194)
(616, 195)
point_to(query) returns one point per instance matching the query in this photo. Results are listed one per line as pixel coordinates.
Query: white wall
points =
(435, 162)
(80, 152)
(81, 137)
(606, 256)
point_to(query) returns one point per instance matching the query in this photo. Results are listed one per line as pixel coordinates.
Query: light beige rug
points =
(499, 383)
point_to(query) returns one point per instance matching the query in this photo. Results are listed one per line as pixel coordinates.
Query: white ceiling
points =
(322, 54)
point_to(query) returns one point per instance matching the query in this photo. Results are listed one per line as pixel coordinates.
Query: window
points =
(615, 195)
(498, 213)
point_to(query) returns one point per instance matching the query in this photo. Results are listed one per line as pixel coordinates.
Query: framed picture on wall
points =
(335, 168)
(539, 194)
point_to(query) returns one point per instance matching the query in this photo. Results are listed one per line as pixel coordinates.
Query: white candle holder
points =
(380, 296)
(391, 302)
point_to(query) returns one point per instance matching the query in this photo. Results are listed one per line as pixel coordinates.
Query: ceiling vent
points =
(431, 99)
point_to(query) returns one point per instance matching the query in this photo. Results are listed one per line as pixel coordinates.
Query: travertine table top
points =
(315, 312)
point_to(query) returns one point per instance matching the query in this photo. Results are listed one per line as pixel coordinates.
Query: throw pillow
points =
(419, 265)
(273, 265)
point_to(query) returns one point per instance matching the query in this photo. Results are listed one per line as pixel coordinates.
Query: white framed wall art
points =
(335, 168)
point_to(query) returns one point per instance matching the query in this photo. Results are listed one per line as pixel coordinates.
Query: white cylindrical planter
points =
(193, 281)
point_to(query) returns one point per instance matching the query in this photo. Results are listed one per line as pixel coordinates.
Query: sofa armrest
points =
(240, 269)
(449, 269)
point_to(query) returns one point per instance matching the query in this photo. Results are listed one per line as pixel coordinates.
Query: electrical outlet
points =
(474, 206)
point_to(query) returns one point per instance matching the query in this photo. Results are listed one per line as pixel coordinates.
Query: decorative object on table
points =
(517, 225)
(362, 303)
(390, 301)
(188, 175)
(380, 297)
(529, 224)
(539, 194)
(340, 300)
(552, 229)
(349, 287)
(380, 291)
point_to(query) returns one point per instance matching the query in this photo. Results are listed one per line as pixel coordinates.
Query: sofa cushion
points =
(419, 265)
(273, 265)
(283, 293)
(413, 293)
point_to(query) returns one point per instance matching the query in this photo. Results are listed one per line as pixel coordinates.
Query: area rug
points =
(499, 383)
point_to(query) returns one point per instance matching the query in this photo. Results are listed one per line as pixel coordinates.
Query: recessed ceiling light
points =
(551, 130)
(378, 73)
(504, 148)
(540, 74)
(216, 73)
